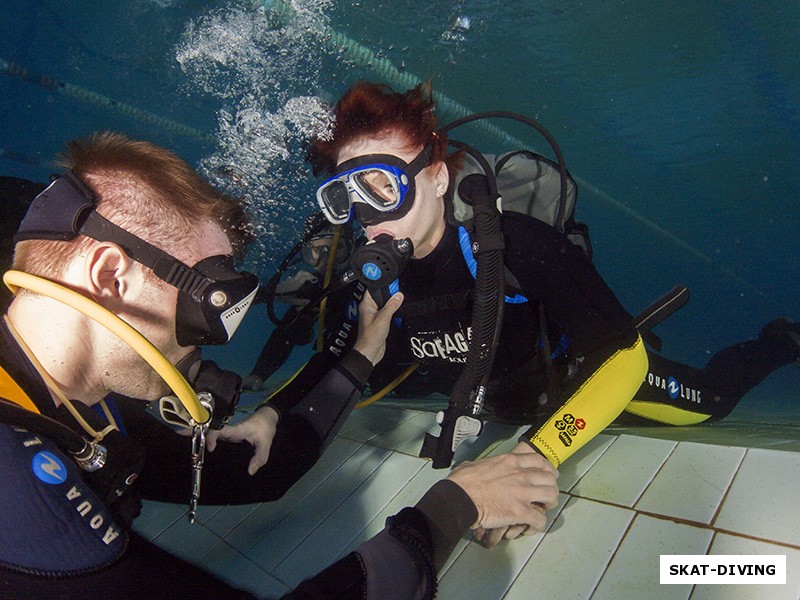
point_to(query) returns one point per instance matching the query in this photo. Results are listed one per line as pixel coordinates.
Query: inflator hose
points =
(488, 301)
(487, 309)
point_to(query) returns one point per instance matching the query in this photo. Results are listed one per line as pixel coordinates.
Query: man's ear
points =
(108, 273)
(442, 179)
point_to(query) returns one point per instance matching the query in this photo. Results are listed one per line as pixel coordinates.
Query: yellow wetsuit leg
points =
(662, 413)
(593, 406)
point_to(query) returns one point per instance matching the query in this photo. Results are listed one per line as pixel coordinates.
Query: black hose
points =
(488, 300)
(502, 114)
(12, 414)
(487, 309)
(487, 313)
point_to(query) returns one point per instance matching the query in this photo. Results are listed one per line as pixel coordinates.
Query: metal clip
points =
(198, 456)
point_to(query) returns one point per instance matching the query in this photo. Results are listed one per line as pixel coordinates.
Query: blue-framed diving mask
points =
(378, 187)
(213, 296)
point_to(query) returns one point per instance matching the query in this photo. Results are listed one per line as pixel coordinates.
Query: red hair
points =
(373, 109)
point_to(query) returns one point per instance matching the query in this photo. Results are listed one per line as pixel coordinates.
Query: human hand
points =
(373, 326)
(512, 493)
(258, 429)
(491, 537)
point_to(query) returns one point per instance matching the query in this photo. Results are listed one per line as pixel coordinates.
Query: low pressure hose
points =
(88, 455)
(141, 345)
(466, 397)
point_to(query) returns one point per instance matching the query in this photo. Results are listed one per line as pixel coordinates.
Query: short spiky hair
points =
(143, 188)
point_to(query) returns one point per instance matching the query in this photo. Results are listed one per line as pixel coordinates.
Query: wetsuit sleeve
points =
(301, 437)
(329, 404)
(402, 560)
(611, 356)
(341, 330)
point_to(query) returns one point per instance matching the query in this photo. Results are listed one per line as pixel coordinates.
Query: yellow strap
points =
(10, 390)
(337, 234)
(664, 413)
(597, 402)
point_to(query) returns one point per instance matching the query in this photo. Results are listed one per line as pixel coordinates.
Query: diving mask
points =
(375, 184)
(316, 251)
(212, 296)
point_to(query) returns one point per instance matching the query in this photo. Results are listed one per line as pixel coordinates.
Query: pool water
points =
(680, 121)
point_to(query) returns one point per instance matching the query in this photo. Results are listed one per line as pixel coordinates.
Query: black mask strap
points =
(72, 212)
(166, 267)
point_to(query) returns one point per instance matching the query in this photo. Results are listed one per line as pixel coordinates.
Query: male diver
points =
(123, 266)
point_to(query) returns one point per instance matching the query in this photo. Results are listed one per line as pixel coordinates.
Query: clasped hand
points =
(512, 493)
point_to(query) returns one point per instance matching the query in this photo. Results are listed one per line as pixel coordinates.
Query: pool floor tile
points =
(693, 482)
(735, 545)
(624, 470)
(574, 553)
(763, 500)
(333, 534)
(634, 571)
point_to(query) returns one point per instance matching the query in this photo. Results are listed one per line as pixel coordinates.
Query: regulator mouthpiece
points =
(379, 262)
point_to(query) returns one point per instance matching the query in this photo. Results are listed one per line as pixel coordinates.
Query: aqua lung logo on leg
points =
(568, 427)
(674, 388)
(49, 468)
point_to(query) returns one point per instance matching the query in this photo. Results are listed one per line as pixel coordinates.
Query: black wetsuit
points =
(584, 324)
(60, 537)
(299, 326)
(579, 306)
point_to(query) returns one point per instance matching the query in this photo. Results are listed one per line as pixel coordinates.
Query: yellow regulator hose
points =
(180, 387)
